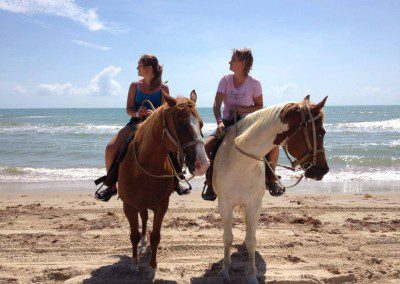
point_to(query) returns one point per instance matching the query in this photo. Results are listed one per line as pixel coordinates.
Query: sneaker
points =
(105, 194)
(275, 189)
(181, 190)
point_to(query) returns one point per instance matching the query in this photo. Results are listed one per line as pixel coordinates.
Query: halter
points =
(166, 133)
(312, 148)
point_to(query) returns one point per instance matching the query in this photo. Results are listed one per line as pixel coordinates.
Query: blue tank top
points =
(154, 97)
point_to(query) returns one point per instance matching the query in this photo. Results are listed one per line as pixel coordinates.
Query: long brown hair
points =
(150, 60)
(244, 54)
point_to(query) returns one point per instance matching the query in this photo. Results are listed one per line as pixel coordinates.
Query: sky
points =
(67, 54)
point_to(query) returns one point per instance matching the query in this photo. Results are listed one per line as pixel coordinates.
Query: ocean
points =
(51, 145)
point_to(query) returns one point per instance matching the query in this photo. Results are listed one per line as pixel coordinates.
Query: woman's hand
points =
(221, 128)
(142, 111)
(240, 111)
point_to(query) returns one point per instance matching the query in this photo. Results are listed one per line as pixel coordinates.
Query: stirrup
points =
(208, 197)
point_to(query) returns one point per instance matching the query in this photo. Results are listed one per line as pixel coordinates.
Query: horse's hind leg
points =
(133, 219)
(252, 217)
(155, 236)
(143, 241)
(226, 212)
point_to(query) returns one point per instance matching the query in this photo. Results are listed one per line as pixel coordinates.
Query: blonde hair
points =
(244, 54)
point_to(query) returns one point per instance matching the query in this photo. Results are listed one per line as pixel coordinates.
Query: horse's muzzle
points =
(316, 172)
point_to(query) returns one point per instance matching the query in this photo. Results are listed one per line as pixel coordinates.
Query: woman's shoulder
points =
(227, 77)
(254, 79)
(134, 84)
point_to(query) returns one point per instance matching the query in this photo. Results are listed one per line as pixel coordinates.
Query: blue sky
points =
(84, 53)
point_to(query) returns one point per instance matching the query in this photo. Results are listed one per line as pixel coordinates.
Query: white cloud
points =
(19, 89)
(91, 45)
(103, 84)
(63, 8)
(283, 90)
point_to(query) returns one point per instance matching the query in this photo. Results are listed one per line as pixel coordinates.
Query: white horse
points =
(239, 170)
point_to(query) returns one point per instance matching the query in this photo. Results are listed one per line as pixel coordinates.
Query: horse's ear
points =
(307, 98)
(321, 104)
(193, 96)
(289, 111)
(169, 100)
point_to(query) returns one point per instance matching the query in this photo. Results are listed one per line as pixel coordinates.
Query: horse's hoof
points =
(253, 279)
(224, 273)
(152, 273)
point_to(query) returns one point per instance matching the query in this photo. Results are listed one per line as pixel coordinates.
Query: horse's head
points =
(304, 139)
(183, 128)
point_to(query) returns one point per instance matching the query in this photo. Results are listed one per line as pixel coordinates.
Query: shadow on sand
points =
(239, 270)
(120, 272)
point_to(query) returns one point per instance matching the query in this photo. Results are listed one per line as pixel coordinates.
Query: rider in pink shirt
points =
(241, 94)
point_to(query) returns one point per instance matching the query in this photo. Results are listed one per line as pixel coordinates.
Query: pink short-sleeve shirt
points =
(242, 96)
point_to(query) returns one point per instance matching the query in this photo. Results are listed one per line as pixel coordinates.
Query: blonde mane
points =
(257, 121)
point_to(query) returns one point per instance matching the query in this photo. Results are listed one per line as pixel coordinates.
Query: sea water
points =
(48, 145)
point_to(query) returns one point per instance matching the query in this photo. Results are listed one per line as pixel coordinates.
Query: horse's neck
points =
(258, 131)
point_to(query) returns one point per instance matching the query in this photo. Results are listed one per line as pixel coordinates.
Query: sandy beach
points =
(66, 236)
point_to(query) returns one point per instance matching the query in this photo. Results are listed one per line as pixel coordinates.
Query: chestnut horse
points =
(146, 174)
(239, 168)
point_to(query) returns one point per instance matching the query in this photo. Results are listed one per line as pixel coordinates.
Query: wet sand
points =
(55, 236)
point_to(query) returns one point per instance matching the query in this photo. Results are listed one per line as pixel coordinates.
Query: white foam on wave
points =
(80, 128)
(37, 116)
(28, 174)
(391, 125)
(349, 175)
(208, 128)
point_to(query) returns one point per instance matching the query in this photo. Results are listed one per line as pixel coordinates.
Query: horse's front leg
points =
(252, 217)
(143, 241)
(155, 236)
(226, 212)
(133, 219)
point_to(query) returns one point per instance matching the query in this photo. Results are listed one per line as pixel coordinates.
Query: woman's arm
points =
(130, 102)
(258, 104)
(219, 97)
(165, 90)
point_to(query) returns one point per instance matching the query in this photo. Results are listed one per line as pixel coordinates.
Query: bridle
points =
(312, 147)
(313, 151)
(173, 138)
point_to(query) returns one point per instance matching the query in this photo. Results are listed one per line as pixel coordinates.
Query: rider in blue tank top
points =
(155, 98)
(149, 88)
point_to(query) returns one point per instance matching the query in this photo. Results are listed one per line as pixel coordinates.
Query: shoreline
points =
(304, 187)
(63, 236)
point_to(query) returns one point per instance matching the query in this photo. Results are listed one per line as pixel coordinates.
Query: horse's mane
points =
(153, 123)
(257, 120)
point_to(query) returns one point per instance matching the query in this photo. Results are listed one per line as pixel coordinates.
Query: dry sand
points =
(51, 237)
